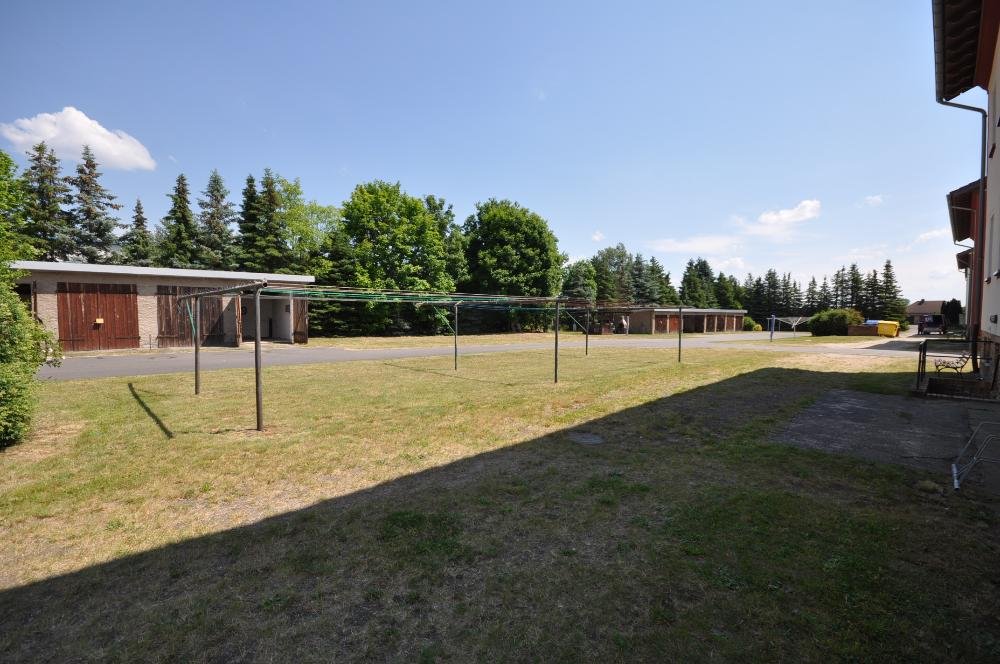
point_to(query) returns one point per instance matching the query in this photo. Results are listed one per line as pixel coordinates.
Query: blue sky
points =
(786, 134)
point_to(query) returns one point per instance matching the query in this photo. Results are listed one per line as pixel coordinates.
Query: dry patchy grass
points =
(398, 510)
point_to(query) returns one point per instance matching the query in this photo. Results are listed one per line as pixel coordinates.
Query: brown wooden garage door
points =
(97, 316)
(173, 324)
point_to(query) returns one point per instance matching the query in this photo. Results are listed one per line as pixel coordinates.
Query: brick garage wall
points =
(44, 287)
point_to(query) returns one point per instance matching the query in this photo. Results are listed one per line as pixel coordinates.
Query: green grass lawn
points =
(400, 511)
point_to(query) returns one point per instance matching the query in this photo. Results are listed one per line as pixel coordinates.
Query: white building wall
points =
(991, 250)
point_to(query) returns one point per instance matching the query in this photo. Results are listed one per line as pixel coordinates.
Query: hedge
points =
(834, 322)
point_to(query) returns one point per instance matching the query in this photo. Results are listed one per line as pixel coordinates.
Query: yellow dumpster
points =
(888, 328)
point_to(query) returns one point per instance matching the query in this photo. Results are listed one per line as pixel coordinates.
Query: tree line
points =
(616, 275)
(382, 237)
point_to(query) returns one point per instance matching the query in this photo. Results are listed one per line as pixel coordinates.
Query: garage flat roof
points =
(135, 271)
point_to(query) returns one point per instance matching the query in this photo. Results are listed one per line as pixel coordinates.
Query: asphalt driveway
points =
(141, 363)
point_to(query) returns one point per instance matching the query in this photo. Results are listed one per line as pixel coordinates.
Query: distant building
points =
(665, 320)
(916, 311)
(104, 307)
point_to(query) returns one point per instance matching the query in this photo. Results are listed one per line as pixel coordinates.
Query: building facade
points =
(966, 57)
(107, 307)
(666, 320)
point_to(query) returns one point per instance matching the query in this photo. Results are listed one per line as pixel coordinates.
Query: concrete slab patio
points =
(915, 432)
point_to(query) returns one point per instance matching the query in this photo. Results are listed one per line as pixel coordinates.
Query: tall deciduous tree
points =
(512, 251)
(136, 242)
(396, 241)
(47, 224)
(179, 244)
(215, 221)
(13, 209)
(455, 241)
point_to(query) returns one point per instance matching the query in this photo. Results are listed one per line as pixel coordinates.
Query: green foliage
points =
(952, 312)
(455, 241)
(307, 222)
(580, 281)
(48, 226)
(137, 242)
(266, 243)
(396, 240)
(13, 209)
(834, 322)
(613, 274)
(215, 225)
(697, 287)
(24, 344)
(512, 251)
(248, 221)
(93, 223)
(749, 324)
(178, 246)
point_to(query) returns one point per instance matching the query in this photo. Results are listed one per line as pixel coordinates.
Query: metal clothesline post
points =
(256, 360)
(197, 345)
(455, 330)
(586, 335)
(680, 329)
(556, 375)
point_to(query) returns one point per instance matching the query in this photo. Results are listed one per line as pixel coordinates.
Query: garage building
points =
(666, 320)
(105, 307)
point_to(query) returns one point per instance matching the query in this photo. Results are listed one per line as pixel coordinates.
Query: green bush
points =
(758, 327)
(749, 324)
(24, 346)
(834, 322)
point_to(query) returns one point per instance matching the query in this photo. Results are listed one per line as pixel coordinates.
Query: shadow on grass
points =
(448, 374)
(684, 536)
(149, 411)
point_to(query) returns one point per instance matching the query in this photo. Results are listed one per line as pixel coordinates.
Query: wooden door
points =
(174, 320)
(238, 311)
(97, 316)
(300, 321)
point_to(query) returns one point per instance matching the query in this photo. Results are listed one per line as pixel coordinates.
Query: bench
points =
(955, 363)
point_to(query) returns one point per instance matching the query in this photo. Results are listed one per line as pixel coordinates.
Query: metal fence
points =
(957, 359)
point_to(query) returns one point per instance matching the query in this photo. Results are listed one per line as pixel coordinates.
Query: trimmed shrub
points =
(834, 322)
(749, 324)
(758, 327)
(24, 346)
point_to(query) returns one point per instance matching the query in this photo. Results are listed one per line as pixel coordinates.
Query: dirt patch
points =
(47, 439)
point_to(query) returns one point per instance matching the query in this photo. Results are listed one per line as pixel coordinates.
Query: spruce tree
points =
(810, 303)
(893, 305)
(93, 224)
(136, 242)
(825, 296)
(668, 294)
(215, 220)
(646, 287)
(248, 221)
(855, 287)
(871, 296)
(179, 246)
(49, 227)
(265, 243)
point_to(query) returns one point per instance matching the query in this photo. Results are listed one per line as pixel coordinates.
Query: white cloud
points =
(172, 158)
(731, 263)
(780, 224)
(933, 235)
(541, 95)
(597, 236)
(69, 130)
(699, 244)
(874, 200)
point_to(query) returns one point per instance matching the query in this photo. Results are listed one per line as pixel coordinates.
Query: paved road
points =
(147, 363)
